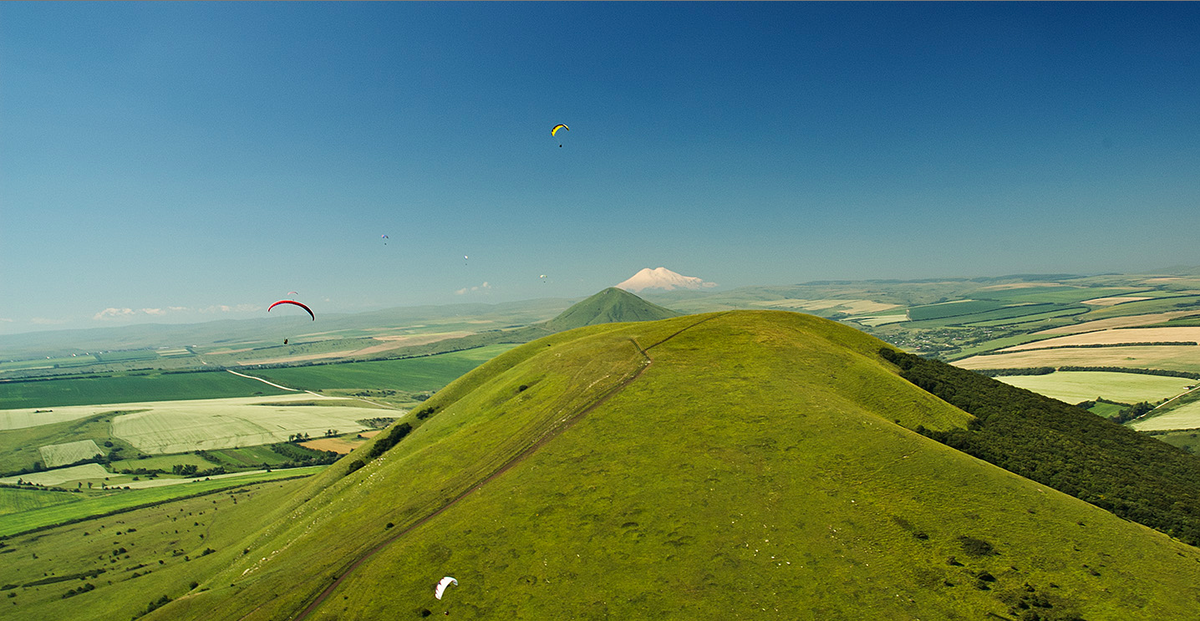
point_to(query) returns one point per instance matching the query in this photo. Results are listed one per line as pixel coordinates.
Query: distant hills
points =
(611, 305)
(748, 463)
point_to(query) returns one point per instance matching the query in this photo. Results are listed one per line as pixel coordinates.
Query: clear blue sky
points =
(194, 161)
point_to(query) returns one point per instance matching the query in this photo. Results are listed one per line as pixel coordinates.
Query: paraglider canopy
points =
(441, 586)
(558, 127)
(310, 313)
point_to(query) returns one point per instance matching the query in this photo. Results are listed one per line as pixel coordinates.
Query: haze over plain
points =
(186, 162)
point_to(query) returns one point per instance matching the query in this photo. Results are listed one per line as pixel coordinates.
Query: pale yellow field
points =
(851, 307)
(61, 475)
(1078, 386)
(1184, 417)
(30, 417)
(1117, 322)
(1108, 337)
(1169, 357)
(1021, 285)
(180, 426)
(881, 320)
(1111, 301)
(55, 455)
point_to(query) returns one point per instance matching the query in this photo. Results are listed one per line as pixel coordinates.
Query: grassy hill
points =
(611, 305)
(728, 465)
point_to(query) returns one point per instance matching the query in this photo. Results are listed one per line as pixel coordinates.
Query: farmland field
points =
(1157, 305)
(181, 426)
(55, 455)
(1078, 386)
(126, 388)
(15, 500)
(409, 374)
(1053, 294)
(1126, 335)
(161, 462)
(1169, 357)
(58, 476)
(952, 309)
(1186, 416)
(118, 500)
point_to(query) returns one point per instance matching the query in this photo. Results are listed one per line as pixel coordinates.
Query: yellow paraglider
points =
(558, 127)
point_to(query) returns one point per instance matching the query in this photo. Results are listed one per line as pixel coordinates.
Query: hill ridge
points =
(755, 463)
(611, 305)
(568, 422)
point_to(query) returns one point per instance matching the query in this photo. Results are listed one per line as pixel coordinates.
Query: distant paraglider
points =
(293, 302)
(555, 131)
(384, 238)
(441, 586)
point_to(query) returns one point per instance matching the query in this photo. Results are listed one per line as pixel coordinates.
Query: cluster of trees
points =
(1127, 413)
(192, 470)
(1015, 371)
(302, 456)
(388, 439)
(1070, 449)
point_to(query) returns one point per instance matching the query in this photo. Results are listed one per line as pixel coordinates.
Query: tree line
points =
(1134, 476)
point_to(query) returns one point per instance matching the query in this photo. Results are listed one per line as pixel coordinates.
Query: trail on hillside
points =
(506, 466)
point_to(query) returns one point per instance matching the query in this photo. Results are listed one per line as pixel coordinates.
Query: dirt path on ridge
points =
(505, 467)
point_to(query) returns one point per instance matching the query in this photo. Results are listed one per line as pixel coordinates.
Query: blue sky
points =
(195, 161)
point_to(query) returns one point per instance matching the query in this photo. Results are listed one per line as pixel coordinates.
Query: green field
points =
(1181, 413)
(952, 309)
(1056, 312)
(1168, 357)
(96, 503)
(409, 374)
(1056, 295)
(161, 462)
(128, 388)
(20, 447)
(21, 499)
(250, 456)
(1078, 386)
(1106, 410)
(1145, 307)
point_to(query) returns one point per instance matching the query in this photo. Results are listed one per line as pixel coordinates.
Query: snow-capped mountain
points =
(662, 278)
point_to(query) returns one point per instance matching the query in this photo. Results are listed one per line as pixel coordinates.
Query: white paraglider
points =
(441, 586)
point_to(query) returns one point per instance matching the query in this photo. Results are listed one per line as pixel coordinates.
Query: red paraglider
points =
(310, 313)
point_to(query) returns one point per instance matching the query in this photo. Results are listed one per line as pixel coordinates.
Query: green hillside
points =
(612, 305)
(719, 466)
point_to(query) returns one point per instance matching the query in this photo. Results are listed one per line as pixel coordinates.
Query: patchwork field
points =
(1117, 322)
(111, 501)
(126, 388)
(56, 455)
(181, 426)
(1078, 386)
(58, 476)
(408, 374)
(850, 307)
(1169, 357)
(1110, 337)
